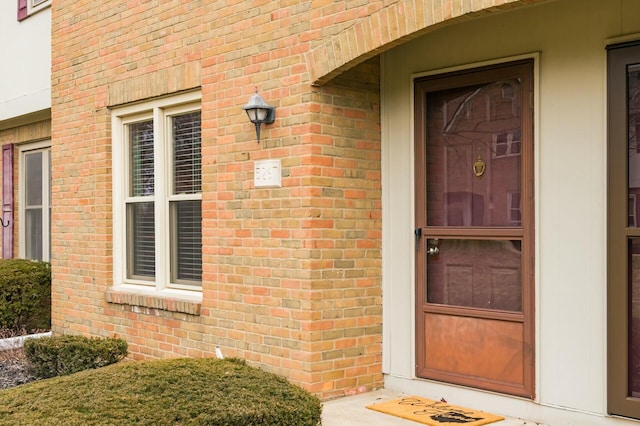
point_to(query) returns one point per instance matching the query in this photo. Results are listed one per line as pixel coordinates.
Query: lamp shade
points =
(258, 110)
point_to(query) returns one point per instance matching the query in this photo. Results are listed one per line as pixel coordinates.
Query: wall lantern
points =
(259, 112)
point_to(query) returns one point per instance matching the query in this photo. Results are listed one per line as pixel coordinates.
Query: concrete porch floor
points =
(351, 411)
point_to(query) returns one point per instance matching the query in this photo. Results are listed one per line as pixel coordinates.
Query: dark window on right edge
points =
(623, 233)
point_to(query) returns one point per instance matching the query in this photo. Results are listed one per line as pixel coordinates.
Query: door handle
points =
(433, 251)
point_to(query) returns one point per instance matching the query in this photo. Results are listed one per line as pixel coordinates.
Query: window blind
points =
(141, 238)
(187, 158)
(187, 247)
(141, 157)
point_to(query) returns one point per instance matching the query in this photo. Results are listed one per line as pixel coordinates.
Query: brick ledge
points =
(163, 303)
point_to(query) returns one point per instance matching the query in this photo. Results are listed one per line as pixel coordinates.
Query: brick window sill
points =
(170, 302)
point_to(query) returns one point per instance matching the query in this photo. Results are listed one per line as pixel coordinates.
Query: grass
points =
(168, 392)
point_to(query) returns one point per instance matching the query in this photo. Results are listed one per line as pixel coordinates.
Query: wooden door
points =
(474, 228)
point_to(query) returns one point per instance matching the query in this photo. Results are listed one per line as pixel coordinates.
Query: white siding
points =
(25, 74)
(568, 37)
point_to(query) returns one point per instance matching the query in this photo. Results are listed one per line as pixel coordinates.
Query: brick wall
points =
(37, 130)
(291, 275)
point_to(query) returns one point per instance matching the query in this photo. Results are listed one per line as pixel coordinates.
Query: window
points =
(506, 144)
(513, 208)
(35, 201)
(29, 7)
(158, 194)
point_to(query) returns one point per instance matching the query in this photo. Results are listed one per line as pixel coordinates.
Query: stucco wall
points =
(568, 39)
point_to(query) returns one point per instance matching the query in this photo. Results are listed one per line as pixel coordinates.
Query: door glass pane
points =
(33, 179)
(33, 233)
(634, 318)
(475, 273)
(141, 240)
(633, 96)
(33, 209)
(473, 155)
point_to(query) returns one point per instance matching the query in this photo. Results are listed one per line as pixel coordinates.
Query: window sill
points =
(171, 301)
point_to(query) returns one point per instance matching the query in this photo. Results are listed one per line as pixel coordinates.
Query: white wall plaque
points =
(267, 173)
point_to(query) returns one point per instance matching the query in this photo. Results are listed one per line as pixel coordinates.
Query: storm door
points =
(623, 230)
(474, 228)
(35, 201)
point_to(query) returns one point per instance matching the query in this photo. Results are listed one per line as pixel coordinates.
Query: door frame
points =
(467, 77)
(618, 233)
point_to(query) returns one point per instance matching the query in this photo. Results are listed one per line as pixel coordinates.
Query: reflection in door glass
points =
(634, 318)
(33, 207)
(475, 273)
(633, 96)
(473, 155)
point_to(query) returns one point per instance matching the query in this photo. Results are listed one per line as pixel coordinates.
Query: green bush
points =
(25, 295)
(62, 355)
(205, 391)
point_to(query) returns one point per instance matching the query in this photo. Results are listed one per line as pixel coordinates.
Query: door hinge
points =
(418, 234)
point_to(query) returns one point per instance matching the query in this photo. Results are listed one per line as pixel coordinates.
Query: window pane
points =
(186, 249)
(473, 156)
(476, 273)
(33, 233)
(187, 159)
(141, 154)
(634, 318)
(633, 96)
(141, 240)
(33, 179)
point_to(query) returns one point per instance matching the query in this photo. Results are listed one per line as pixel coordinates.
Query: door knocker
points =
(478, 167)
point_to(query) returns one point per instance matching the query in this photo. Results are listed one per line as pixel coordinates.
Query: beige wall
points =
(567, 38)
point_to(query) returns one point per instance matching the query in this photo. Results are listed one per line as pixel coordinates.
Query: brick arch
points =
(392, 25)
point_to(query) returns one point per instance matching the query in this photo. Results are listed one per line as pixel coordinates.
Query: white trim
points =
(18, 341)
(533, 55)
(35, 6)
(160, 111)
(622, 39)
(386, 228)
(175, 293)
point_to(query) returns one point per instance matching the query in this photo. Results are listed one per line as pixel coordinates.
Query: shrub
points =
(62, 355)
(201, 391)
(25, 294)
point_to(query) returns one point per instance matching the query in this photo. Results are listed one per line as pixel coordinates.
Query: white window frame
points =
(511, 209)
(34, 6)
(509, 144)
(42, 146)
(160, 110)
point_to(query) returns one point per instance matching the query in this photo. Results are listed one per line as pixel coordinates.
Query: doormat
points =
(433, 413)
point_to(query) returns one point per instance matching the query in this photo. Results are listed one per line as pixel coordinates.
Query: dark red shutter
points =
(7, 201)
(22, 9)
